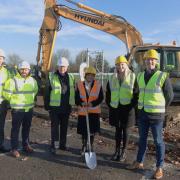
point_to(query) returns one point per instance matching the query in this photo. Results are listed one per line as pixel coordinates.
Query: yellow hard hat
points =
(121, 59)
(151, 54)
(90, 70)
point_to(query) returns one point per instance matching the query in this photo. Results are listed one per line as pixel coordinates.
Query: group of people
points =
(148, 93)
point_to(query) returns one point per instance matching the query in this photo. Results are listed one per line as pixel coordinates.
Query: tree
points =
(81, 57)
(14, 60)
(101, 63)
(60, 53)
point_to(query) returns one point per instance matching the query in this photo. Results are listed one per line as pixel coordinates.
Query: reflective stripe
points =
(151, 90)
(125, 100)
(24, 92)
(151, 106)
(8, 91)
(159, 79)
(21, 105)
(56, 101)
(55, 88)
(114, 102)
(81, 96)
(114, 89)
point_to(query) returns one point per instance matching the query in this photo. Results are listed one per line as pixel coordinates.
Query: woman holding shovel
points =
(88, 97)
(121, 98)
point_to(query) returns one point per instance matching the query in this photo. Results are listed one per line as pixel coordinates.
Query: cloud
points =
(82, 30)
(13, 28)
(21, 11)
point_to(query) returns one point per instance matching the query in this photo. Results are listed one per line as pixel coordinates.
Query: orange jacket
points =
(94, 93)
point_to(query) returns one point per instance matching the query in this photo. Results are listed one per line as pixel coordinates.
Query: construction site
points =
(69, 164)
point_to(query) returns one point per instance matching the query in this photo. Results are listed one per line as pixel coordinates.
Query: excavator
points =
(112, 24)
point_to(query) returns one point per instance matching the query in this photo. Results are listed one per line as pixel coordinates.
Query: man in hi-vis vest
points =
(21, 91)
(4, 75)
(155, 94)
(59, 96)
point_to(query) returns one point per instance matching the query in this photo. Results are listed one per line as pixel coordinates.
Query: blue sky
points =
(20, 20)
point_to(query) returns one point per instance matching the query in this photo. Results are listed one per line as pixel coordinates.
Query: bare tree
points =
(60, 53)
(14, 60)
(81, 57)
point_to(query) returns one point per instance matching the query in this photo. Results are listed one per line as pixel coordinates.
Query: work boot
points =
(158, 174)
(15, 153)
(84, 146)
(116, 155)
(63, 147)
(28, 149)
(83, 150)
(136, 166)
(52, 150)
(123, 155)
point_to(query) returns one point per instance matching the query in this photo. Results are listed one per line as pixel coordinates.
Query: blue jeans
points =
(156, 127)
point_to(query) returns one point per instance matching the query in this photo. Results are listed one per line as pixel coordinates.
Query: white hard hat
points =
(24, 65)
(63, 62)
(2, 54)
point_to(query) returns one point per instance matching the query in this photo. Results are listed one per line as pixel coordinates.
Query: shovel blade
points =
(91, 161)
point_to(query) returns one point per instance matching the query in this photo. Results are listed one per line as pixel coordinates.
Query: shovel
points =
(90, 157)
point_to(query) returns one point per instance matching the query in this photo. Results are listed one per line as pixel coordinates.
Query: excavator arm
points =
(99, 20)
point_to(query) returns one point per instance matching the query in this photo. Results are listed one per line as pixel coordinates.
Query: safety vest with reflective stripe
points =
(94, 93)
(4, 75)
(55, 95)
(151, 96)
(123, 93)
(20, 92)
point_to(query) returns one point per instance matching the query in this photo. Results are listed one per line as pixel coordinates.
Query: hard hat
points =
(24, 65)
(2, 54)
(63, 62)
(90, 70)
(121, 59)
(151, 54)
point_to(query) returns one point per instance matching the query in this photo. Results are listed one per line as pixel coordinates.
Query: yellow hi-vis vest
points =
(4, 75)
(151, 96)
(123, 93)
(55, 95)
(94, 93)
(21, 92)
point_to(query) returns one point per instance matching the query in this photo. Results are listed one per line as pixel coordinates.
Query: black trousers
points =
(20, 118)
(59, 121)
(3, 112)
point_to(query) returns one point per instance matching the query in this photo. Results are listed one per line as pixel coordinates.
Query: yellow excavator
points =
(112, 24)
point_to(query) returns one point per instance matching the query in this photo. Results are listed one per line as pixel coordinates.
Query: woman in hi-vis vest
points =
(121, 98)
(88, 97)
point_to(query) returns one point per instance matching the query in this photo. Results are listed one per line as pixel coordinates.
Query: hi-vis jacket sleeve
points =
(8, 89)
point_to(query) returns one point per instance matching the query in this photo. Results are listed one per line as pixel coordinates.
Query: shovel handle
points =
(88, 129)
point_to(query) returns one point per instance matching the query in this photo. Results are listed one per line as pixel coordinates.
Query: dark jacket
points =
(64, 107)
(124, 115)
(168, 95)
